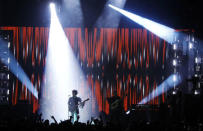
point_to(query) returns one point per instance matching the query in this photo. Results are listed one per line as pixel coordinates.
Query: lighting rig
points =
(5, 75)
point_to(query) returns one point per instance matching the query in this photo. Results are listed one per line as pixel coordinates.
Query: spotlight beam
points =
(16, 69)
(162, 31)
(109, 18)
(62, 72)
(73, 13)
(171, 81)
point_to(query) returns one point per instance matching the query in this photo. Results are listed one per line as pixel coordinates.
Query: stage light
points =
(109, 18)
(52, 6)
(174, 46)
(196, 92)
(162, 31)
(174, 92)
(174, 78)
(197, 60)
(169, 83)
(128, 112)
(9, 60)
(174, 62)
(62, 72)
(8, 44)
(190, 45)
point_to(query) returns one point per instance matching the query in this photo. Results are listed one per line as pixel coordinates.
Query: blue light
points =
(170, 82)
(62, 75)
(162, 31)
(16, 69)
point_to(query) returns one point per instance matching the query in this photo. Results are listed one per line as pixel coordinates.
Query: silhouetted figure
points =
(73, 104)
(54, 119)
(115, 108)
(103, 117)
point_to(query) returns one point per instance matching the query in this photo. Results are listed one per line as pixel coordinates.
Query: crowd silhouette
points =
(167, 120)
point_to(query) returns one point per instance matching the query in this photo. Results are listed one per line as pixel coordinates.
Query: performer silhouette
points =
(73, 104)
(115, 108)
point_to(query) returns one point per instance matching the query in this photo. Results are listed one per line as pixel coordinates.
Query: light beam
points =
(109, 18)
(16, 69)
(62, 74)
(160, 30)
(171, 81)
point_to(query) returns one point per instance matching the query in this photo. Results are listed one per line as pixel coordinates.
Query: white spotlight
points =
(196, 92)
(62, 72)
(162, 31)
(190, 45)
(52, 6)
(174, 78)
(174, 62)
(128, 112)
(197, 60)
(15, 68)
(174, 92)
(169, 83)
(108, 17)
(174, 46)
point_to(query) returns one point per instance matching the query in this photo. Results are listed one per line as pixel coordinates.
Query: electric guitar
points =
(115, 104)
(80, 105)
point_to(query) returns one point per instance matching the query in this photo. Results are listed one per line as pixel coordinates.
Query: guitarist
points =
(115, 107)
(73, 103)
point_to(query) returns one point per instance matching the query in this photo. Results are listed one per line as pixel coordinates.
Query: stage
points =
(119, 63)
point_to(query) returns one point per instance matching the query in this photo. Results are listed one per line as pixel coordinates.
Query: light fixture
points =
(175, 46)
(190, 45)
(174, 62)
